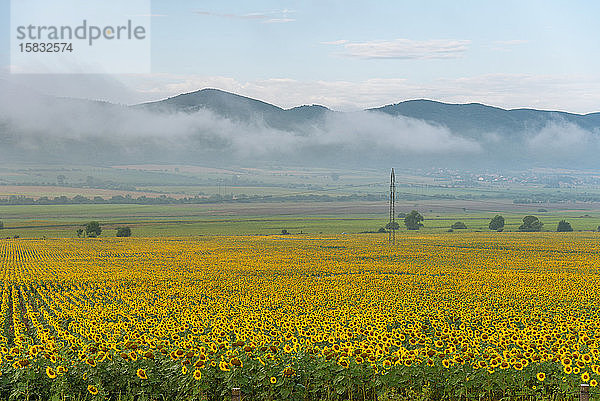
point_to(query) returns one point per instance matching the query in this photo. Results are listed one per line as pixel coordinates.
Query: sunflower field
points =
(485, 316)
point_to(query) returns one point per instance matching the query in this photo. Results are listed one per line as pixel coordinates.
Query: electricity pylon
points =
(392, 222)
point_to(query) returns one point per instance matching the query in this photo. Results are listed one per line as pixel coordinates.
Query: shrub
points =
(459, 225)
(497, 223)
(123, 232)
(564, 226)
(93, 229)
(531, 224)
(392, 225)
(413, 220)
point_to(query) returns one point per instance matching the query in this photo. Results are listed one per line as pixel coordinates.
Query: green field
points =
(442, 199)
(267, 218)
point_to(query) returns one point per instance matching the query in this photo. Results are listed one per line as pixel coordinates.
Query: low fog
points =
(35, 127)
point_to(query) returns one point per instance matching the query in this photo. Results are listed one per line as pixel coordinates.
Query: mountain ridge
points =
(469, 119)
(214, 125)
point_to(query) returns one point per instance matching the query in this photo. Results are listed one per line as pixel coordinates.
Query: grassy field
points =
(271, 218)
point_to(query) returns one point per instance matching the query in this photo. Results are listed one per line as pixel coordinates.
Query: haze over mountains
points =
(220, 128)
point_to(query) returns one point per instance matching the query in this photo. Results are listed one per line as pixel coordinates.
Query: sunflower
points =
(593, 383)
(183, 370)
(33, 350)
(224, 366)
(541, 376)
(142, 374)
(273, 380)
(93, 389)
(197, 374)
(50, 372)
(585, 376)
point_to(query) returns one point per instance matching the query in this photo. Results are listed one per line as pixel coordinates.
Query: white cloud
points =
(335, 42)
(276, 16)
(405, 49)
(365, 130)
(343, 135)
(557, 136)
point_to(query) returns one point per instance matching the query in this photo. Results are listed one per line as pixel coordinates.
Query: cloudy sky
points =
(351, 54)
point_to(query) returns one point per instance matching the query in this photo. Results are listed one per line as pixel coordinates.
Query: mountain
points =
(211, 126)
(240, 108)
(470, 120)
(474, 119)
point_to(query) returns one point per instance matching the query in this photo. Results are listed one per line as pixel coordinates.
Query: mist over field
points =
(216, 127)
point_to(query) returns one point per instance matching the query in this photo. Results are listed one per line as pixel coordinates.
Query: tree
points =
(497, 223)
(531, 224)
(413, 220)
(459, 225)
(93, 229)
(123, 232)
(284, 232)
(564, 226)
(382, 230)
(79, 232)
(392, 225)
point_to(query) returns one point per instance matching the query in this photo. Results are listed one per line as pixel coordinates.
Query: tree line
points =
(414, 221)
(93, 229)
(168, 200)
